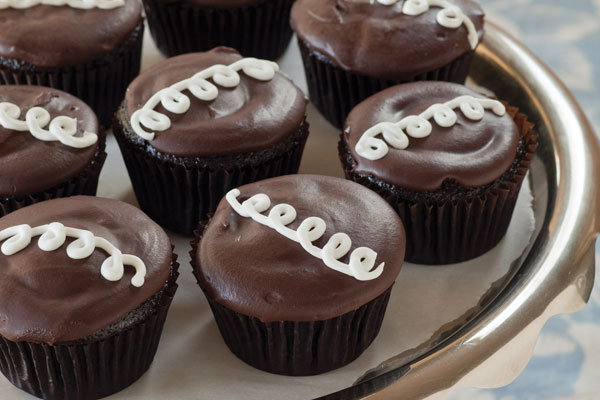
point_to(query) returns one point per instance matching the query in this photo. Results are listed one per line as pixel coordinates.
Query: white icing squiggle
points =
(54, 235)
(176, 102)
(81, 4)
(62, 128)
(362, 259)
(451, 16)
(418, 126)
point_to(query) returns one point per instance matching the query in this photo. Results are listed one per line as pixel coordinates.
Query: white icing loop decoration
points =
(372, 148)
(54, 235)
(450, 15)
(62, 128)
(173, 100)
(362, 259)
(80, 4)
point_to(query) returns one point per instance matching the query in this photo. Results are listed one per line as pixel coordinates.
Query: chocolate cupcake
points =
(239, 121)
(353, 49)
(450, 161)
(91, 49)
(84, 304)
(298, 271)
(256, 28)
(50, 146)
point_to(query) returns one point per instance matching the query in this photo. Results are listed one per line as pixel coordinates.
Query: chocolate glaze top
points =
(473, 153)
(254, 270)
(49, 36)
(29, 165)
(47, 297)
(250, 117)
(369, 38)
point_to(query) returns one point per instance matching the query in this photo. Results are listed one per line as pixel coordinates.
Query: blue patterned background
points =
(566, 35)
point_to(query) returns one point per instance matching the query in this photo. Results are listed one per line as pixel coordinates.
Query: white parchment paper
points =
(193, 362)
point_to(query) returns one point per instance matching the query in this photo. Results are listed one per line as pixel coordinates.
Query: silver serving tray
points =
(555, 274)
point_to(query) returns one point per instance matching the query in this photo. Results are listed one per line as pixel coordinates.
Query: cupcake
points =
(257, 28)
(298, 271)
(50, 146)
(450, 161)
(85, 285)
(90, 48)
(195, 126)
(353, 49)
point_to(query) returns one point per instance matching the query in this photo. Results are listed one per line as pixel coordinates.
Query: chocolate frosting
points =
(473, 153)
(250, 117)
(373, 39)
(49, 36)
(254, 270)
(48, 297)
(30, 165)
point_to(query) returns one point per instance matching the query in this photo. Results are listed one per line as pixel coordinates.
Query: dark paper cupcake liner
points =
(457, 230)
(88, 369)
(179, 196)
(298, 348)
(86, 183)
(260, 30)
(100, 83)
(335, 91)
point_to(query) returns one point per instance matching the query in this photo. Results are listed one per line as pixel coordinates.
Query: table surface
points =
(565, 34)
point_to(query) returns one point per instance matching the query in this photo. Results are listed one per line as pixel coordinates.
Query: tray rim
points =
(559, 263)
